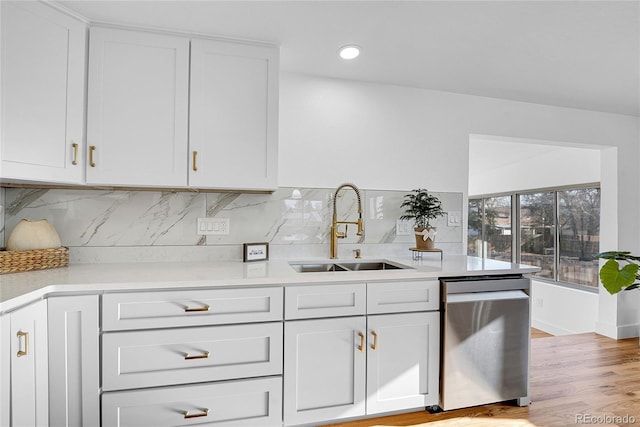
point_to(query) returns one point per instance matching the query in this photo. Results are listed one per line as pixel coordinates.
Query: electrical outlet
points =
(403, 228)
(454, 219)
(213, 226)
(538, 302)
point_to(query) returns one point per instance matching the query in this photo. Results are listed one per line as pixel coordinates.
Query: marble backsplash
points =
(106, 226)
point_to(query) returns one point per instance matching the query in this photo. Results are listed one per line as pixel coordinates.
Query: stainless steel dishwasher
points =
(485, 341)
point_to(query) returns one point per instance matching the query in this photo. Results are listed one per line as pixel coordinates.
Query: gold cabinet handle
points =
(199, 356)
(92, 148)
(361, 346)
(187, 415)
(75, 154)
(375, 340)
(191, 310)
(24, 335)
(195, 157)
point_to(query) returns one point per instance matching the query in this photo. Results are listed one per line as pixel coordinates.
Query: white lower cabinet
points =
(255, 402)
(174, 357)
(24, 344)
(324, 372)
(74, 361)
(344, 367)
(5, 368)
(192, 357)
(403, 361)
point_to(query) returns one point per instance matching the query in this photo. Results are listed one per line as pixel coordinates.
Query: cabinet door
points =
(233, 116)
(5, 368)
(43, 80)
(137, 113)
(29, 366)
(74, 363)
(402, 361)
(324, 369)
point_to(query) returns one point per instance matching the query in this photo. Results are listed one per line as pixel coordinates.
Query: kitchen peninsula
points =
(249, 342)
(22, 288)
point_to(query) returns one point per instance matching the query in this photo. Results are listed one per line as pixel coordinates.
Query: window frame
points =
(516, 254)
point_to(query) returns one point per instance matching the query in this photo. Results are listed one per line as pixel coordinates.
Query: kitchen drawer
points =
(256, 402)
(142, 310)
(398, 297)
(310, 301)
(135, 359)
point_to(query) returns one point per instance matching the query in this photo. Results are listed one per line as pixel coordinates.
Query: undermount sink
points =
(319, 267)
(316, 268)
(382, 265)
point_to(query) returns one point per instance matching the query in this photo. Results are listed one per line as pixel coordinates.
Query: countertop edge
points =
(25, 288)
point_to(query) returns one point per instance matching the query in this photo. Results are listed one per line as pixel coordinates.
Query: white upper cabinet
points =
(234, 116)
(137, 113)
(43, 80)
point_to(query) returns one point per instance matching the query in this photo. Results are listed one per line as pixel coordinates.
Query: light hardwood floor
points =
(575, 380)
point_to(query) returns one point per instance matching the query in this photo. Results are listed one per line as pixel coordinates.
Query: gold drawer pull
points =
(92, 148)
(75, 154)
(187, 415)
(24, 335)
(361, 346)
(195, 157)
(200, 356)
(191, 310)
(375, 340)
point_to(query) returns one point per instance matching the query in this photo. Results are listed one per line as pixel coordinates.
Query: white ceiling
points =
(580, 54)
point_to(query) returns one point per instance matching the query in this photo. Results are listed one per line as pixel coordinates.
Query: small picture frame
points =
(255, 252)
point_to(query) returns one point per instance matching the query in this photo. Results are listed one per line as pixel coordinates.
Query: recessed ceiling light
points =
(349, 52)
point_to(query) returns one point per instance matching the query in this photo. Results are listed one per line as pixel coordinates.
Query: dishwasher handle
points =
(486, 296)
(486, 285)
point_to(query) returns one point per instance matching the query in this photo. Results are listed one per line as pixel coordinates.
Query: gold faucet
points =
(335, 234)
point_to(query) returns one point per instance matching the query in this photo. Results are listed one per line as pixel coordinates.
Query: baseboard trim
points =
(553, 329)
(618, 332)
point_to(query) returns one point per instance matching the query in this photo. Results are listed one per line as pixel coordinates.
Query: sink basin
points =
(357, 266)
(319, 267)
(316, 268)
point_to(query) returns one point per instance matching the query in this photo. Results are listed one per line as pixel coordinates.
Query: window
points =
(474, 241)
(557, 230)
(579, 235)
(490, 233)
(537, 232)
(497, 226)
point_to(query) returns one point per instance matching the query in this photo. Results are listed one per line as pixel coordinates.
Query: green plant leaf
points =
(615, 279)
(619, 255)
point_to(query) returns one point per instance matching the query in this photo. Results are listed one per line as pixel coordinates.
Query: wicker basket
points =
(37, 259)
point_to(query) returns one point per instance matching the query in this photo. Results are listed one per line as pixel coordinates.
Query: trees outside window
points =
(557, 230)
(537, 232)
(579, 235)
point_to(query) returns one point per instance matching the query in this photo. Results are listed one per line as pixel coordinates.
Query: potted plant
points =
(421, 207)
(615, 279)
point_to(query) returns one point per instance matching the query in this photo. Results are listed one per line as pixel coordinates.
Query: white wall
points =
(499, 166)
(496, 166)
(561, 311)
(390, 137)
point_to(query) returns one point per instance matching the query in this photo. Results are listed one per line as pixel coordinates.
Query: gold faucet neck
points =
(354, 188)
(334, 222)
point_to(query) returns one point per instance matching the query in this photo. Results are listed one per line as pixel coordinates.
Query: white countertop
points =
(22, 288)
